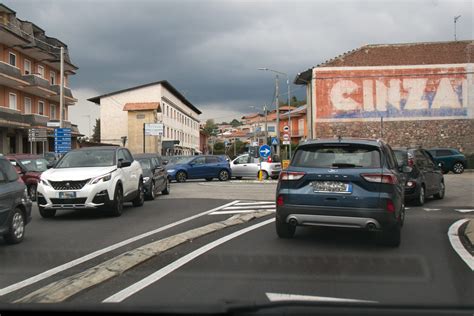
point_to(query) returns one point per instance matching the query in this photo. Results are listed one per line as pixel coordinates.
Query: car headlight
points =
(171, 170)
(146, 179)
(104, 178)
(44, 182)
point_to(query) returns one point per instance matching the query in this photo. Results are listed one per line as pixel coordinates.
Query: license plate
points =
(331, 187)
(67, 195)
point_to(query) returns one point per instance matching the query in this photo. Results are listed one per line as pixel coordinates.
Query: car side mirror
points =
(123, 163)
(407, 169)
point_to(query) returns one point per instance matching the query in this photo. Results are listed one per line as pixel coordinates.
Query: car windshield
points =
(35, 164)
(336, 156)
(181, 160)
(145, 163)
(87, 158)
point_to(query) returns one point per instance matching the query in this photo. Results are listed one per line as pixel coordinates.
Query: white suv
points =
(91, 178)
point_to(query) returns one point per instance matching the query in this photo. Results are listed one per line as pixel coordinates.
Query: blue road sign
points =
(265, 151)
(62, 140)
(274, 141)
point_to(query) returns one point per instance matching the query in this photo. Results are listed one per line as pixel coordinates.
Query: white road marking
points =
(453, 234)
(247, 207)
(70, 264)
(275, 297)
(253, 203)
(432, 209)
(464, 210)
(241, 211)
(140, 285)
(407, 208)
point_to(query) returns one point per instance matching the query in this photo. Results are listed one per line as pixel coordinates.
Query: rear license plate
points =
(67, 195)
(331, 187)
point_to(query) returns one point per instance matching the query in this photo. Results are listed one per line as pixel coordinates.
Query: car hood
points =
(62, 174)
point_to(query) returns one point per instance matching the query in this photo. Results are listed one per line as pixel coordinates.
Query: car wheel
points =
(32, 192)
(117, 206)
(264, 175)
(139, 200)
(420, 200)
(16, 229)
(223, 175)
(208, 179)
(46, 213)
(442, 190)
(390, 237)
(181, 176)
(402, 216)
(167, 188)
(458, 168)
(151, 193)
(284, 230)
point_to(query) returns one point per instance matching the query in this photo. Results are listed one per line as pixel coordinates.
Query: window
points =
(353, 156)
(212, 160)
(52, 108)
(121, 155)
(41, 71)
(199, 161)
(41, 108)
(420, 159)
(7, 172)
(27, 66)
(128, 155)
(52, 75)
(243, 159)
(27, 104)
(12, 59)
(443, 152)
(12, 101)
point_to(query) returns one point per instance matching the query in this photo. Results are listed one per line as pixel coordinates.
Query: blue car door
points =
(197, 168)
(214, 165)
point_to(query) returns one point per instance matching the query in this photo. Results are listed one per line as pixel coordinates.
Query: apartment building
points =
(29, 84)
(178, 116)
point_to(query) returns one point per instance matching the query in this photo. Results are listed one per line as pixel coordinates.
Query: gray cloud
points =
(211, 49)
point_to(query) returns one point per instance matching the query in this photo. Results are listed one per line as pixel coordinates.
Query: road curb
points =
(468, 232)
(456, 236)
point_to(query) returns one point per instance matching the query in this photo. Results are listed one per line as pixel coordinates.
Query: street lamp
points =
(278, 106)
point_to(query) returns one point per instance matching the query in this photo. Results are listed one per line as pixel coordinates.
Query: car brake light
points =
(291, 176)
(380, 178)
(390, 206)
(269, 159)
(280, 200)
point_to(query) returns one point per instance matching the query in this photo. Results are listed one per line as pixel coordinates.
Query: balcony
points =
(10, 76)
(11, 118)
(37, 86)
(68, 98)
(36, 119)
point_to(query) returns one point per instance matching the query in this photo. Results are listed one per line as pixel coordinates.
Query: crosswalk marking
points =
(246, 207)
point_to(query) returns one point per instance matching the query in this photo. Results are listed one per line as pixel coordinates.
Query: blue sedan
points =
(199, 167)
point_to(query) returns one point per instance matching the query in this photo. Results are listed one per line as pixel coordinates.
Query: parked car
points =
(51, 157)
(173, 159)
(199, 167)
(450, 159)
(91, 177)
(155, 177)
(426, 178)
(29, 167)
(350, 183)
(15, 205)
(246, 166)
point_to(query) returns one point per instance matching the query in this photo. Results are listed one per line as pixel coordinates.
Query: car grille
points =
(68, 185)
(69, 201)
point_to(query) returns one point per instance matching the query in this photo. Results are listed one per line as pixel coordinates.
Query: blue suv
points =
(351, 183)
(199, 167)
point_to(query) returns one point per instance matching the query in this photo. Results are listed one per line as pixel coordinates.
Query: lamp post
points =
(456, 18)
(278, 105)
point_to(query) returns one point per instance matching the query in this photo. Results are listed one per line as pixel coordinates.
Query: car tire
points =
(46, 213)
(32, 191)
(208, 179)
(441, 193)
(284, 230)
(16, 229)
(223, 175)
(117, 205)
(389, 237)
(264, 175)
(181, 176)
(151, 192)
(420, 199)
(167, 188)
(139, 200)
(458, 168)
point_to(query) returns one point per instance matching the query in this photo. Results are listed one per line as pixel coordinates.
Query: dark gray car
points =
(155, 177)
(15, 205)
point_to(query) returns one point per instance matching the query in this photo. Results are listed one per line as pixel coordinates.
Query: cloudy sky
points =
(210, 50)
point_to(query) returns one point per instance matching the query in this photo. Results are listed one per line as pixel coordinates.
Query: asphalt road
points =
(335, 263)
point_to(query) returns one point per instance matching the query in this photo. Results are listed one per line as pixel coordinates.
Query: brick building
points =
(29, 84)
(408, 94)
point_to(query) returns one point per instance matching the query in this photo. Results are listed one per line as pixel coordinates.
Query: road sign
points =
(274, 141)
(265, 151)
(62, 140)
(53, 124)
(286, 128)
(286, 142)
(154, 129)
(37, 135)
(286, 137)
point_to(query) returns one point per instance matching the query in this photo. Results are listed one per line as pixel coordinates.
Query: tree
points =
(235, 123)
(209, 127)
(96, 133)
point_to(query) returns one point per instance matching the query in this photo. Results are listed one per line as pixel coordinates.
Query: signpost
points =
(274, 141)
(265, 152)
(62, 140)
(37, 135)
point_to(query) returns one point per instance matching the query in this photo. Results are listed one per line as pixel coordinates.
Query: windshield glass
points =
(87, 158)
(180, 160)
(37, 164)
(353, 156)
(145, 163)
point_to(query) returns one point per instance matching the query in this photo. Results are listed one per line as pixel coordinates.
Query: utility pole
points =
(61, 89)
(266, 124)
(289, 112)
(235, 147)
(278, 114)
(455, 21)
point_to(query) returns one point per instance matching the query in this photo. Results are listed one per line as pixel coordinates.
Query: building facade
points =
(417, 94)
(29, 84)
(298, 121)
(178, 116)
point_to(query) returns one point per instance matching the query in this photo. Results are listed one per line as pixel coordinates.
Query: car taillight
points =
(291, 175)
(380, 178)
(390, 206)
(280, 200)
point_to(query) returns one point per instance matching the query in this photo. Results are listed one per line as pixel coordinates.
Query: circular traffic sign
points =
(286, 136)
(286, 128)
(265, 151)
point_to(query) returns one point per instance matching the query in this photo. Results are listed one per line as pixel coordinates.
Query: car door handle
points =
(245, 165)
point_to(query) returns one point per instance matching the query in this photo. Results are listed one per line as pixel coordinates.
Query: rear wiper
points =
(345, 165)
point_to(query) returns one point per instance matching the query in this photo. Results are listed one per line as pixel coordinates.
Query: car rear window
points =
(402, 157)
(337, 156)
(7, 170)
